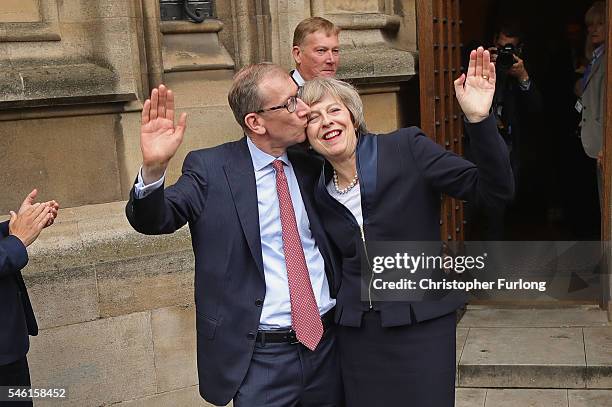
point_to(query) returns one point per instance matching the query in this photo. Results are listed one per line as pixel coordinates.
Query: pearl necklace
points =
(348, 187)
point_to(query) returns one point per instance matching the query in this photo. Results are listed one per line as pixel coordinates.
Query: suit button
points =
(259, 302)
(251, 335)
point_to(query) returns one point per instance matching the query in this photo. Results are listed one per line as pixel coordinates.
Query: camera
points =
(505, 57)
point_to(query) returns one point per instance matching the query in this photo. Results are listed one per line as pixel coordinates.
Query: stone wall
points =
(67, 79)
(74, 86)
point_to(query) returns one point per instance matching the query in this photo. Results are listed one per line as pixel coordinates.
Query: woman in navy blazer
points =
(388, 188)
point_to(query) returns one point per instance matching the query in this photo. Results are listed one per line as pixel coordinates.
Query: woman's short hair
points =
(596, 14)
(318, 88)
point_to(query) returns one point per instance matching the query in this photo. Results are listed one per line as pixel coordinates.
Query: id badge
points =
(579, 106)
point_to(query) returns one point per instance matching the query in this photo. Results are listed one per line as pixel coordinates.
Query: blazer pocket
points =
(206, 326)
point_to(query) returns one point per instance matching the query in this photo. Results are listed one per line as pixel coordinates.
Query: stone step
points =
(471, 397)
(568, 348)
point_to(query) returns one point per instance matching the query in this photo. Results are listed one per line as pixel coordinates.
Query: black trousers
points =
(15, 374)
(403, 366)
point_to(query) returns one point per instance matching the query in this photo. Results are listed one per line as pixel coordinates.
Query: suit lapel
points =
(306, 183)
(596, 67)
(307, 178)
(241, 179)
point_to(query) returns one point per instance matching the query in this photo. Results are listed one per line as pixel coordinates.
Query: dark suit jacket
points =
(517, 103)
(217, 195)
(401, 178)
(16, 316)
(518, 106)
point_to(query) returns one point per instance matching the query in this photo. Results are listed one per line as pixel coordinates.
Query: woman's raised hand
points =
(475, 90)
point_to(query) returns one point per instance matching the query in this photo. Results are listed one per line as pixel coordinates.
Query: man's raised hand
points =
(475, 90)
(160, 138)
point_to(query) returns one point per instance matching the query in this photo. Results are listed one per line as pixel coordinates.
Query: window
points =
(190, 10)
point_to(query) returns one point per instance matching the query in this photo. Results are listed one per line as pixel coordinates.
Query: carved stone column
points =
(68, 71)
(196, 65)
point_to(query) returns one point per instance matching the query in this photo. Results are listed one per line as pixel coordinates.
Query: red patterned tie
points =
(305, 318)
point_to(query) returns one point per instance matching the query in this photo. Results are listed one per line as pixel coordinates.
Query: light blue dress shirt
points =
(276, 312)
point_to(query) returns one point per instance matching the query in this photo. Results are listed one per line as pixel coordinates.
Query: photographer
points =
(516, 96)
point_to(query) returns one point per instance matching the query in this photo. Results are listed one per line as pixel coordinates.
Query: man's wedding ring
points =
(485, 76)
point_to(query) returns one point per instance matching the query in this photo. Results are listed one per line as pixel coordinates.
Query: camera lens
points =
(505, 57)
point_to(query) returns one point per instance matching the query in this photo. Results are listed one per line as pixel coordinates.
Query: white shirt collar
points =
(298, 78)
(260, 158)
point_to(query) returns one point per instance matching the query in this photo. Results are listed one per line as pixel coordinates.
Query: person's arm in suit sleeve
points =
(153, 209)
(489, 178)
(530, 97)
(160, 210)
(13, 253)
(22, 230)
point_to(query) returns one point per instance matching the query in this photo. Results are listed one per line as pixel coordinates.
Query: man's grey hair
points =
(244, 96)
(318, 88)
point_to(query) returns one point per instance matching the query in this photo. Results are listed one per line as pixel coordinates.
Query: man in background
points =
(516, 95)
(316, 50)
(516, 98)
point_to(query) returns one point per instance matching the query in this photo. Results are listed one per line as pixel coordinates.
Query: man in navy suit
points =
(264, 282)
(17, 319)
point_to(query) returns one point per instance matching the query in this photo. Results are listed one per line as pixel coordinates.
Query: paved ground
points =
(469, 397)
(534, 358)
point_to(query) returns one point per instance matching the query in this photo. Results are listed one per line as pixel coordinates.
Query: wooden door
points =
(606, 218)
(439, 42)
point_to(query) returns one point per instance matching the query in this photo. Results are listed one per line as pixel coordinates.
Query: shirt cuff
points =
(141, 190)
(525, 85)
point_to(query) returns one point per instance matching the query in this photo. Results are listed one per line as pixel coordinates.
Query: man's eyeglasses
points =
(291, 104)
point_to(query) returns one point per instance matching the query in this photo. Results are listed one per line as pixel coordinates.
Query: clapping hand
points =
(159, 137)
(32, 218)
(475, 90)
(30, 200)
